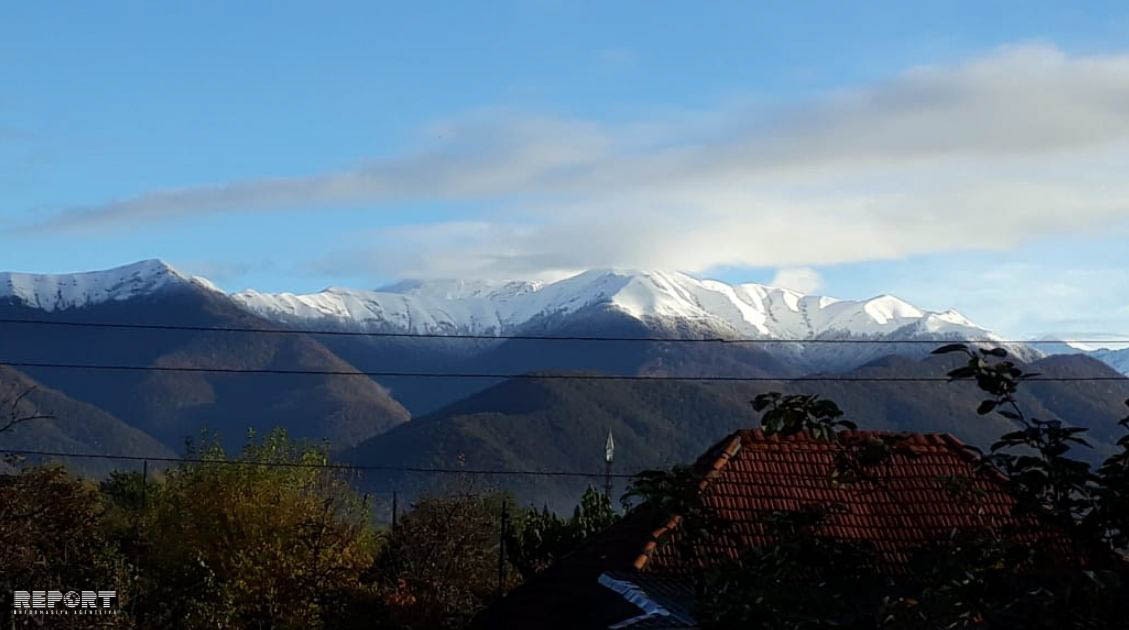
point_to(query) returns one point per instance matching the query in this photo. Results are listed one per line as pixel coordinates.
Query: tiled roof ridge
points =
(709, 466)
(935, 439)
(912, 439)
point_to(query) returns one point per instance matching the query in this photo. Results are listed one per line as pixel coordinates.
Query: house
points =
(633, 576)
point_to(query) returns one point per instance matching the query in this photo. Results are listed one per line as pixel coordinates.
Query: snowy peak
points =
(758, 310)
(665, 301)
(56, 292)
(1109, 349)
(885, 308)
(669, 300)
(1117, 359)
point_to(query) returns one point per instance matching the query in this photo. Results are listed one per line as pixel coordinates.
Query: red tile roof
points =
(910, 501)
(746, 477)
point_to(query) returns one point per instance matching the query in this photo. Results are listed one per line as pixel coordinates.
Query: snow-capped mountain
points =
(597, 303)
(1117, 359)
(1109, 349)
(50, 292)
(175, 405)
(649, 296)
(667, 300)
(664, 303)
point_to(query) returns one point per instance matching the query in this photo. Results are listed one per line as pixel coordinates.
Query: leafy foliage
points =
(676, 492)
(791, 414)
(541, 537)
(280, 542)
(979, 579)
(804, 580)
(440, 565)
(1035, 457)
(1111, 511)
(51, 537)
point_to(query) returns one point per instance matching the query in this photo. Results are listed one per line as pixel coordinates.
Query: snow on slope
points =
(1109, 349)
(654, 297)
(1117, 359)
(664, 301)
(59, 292)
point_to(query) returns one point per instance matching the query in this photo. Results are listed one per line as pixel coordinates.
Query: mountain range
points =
(365, 349)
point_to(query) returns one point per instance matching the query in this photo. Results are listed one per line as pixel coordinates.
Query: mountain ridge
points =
(746, 309)
(483, 307)
(56, 292)
(171, 406)
(665, 304)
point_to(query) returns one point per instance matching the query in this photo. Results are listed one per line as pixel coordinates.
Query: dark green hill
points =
(522, 356)
(562, 424)
(171, 406)
(75, 427)
(555, 425)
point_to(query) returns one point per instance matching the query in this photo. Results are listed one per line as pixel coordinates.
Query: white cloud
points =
(1029, 295)
(1022, 143)
(802, 279)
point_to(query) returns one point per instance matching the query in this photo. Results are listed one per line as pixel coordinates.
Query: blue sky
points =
(965, 155)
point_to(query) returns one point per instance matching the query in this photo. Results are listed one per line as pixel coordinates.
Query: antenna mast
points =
(609, 456)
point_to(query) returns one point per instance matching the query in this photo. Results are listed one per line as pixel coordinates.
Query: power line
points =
(328, 465)
(423, 335)
(536, 376)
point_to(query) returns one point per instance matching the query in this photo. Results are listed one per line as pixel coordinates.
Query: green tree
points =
(804, 580)
(272, 538)
(540, 537)
(51, 538)
(441, 563)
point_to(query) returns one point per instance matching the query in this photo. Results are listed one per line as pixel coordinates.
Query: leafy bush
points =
(440, 565)
(279, 542)
(51, 537)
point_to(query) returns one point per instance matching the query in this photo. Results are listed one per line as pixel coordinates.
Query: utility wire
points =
(422, 335)
(332, 466)
(538, 376)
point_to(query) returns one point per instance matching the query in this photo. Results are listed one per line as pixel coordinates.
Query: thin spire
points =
(609, 455)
